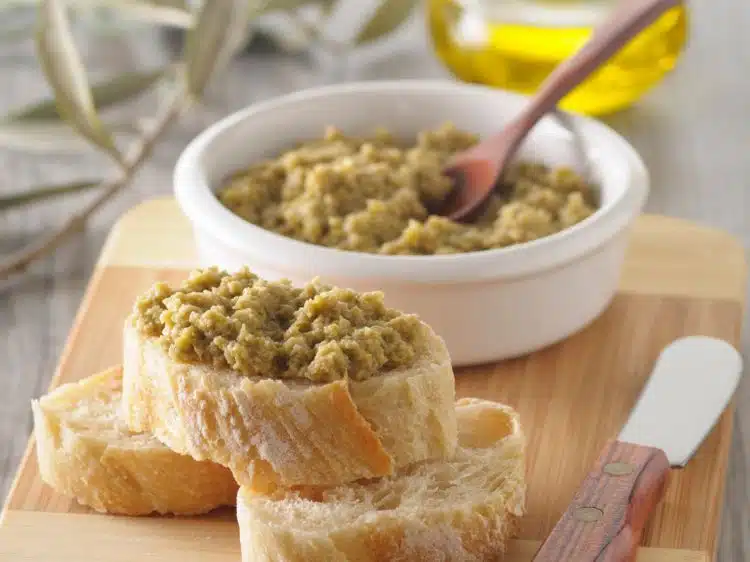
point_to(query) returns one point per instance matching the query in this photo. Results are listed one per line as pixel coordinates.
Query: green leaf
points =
(44, 137)
(327, 6)
(289, 5)
(174, 14)
(221, 29)
(284, 5)
(159, 12)
(105, 94)
(61, 63)
(385, 20)
(46, 192)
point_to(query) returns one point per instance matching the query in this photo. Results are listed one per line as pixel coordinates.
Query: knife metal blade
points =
(692, 382)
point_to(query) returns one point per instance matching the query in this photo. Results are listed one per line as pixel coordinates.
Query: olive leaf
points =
(219, 32)
(327, 6)
(54, 136)
(42, 137)
(283, 5)
(289, 5)
(122, 88)
(61, 63)
(174, 14)
(385, 20)
(41, 193)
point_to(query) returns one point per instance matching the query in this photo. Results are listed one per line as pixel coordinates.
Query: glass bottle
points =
(515, 44)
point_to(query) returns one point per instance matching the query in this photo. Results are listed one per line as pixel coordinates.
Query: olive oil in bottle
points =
(515, 44)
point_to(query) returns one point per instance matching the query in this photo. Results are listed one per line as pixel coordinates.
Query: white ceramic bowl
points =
(487, 305)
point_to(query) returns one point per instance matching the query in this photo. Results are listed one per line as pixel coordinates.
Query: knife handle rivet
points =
(618, 468)
(588, 514)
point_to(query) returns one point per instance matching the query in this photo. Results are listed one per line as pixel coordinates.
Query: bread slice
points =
(461, 510)
(290, 432)
(86, 451)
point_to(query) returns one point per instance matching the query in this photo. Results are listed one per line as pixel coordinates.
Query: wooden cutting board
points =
(679, 279)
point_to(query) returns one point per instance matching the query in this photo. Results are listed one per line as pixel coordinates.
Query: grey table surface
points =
(693, 132)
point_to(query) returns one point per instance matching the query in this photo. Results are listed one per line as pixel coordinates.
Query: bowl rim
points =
(199, 203)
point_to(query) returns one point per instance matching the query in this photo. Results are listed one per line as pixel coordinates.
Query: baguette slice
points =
(459, 510)
(86, 451)
(292, 432)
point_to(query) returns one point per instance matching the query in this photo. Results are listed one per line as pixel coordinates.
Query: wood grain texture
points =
(691, 131)
(572, 397)
(606, 519)
(576, 395)
(213, 539)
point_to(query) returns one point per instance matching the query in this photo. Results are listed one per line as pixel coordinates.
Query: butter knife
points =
(692, 382)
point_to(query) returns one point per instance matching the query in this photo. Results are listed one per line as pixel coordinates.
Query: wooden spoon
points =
(476, 170)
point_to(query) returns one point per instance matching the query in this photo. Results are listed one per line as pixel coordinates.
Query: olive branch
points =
(215, 32)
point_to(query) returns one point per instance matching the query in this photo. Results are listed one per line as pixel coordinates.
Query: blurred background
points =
(679, 93)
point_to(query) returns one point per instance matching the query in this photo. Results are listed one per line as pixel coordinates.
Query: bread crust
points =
(85, 451)
(461, 510)
(292, 432)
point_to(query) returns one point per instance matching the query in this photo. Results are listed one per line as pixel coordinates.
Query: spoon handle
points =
(478, 168)
(628, 18)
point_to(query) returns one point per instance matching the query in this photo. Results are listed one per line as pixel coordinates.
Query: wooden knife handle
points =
(605, 520)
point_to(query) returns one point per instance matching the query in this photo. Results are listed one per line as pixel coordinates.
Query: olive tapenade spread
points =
(374, 195)
(276, 330)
